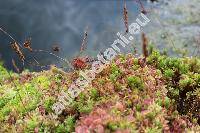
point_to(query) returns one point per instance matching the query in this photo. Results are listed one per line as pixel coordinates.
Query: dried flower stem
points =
(125, 17)
(142, 9)
(15, 66)
(197, 46)
(15, 47)
(144, 45)
(84, 41)
(27, 44)
(45, 51)
(6, 33)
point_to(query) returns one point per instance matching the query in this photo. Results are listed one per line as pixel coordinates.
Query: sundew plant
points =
(151, 86)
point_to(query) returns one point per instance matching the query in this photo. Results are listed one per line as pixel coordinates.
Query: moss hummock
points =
(127, 96)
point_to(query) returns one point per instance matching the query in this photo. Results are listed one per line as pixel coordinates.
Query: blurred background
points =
(174, 27)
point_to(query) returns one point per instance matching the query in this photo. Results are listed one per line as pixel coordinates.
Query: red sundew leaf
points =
(99, 129)
(109, 86)
(118, 62)
(119, 106)
(178, 125)
(147, 101)
(36, 130)
(130, 118)
(11, 119)
(129, 62)
(88, 121)
(144, 112)
(166, 128)
(82, 129)
(142, 62)
(122, 81)
(42, 110)
(101, 112)
(79, 63)
(146, 122)
(94, 121)
(97, 121)
(25, 78)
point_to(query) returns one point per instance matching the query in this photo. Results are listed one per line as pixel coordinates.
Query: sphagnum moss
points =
(163, 96)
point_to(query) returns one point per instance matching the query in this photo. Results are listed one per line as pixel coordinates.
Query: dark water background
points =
(61, 22)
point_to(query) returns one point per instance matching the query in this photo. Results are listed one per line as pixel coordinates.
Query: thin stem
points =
(5, 32)
(45, 51)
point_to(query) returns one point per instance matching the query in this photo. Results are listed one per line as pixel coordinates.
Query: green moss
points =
(135, 82)
(61, 128)
(101, 81)
(118, 86)
(32, 124)
(173, 92)
(186, 81)
(135, 61)
(43, 81)
(113, 126)
(69, 124)
(113, 77)
(48, 103)
(86, 108)
(5, 111)
(197, 92)
(114, 68)
(115, 72)
(83, 105)
(135, 67)
(138, 107)
(153, 58)
(3, 73)
(153, 130)
(139, 117)
(167, 102)
(171, 83)
(94, 93)
(169, 73)
(155, 109)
